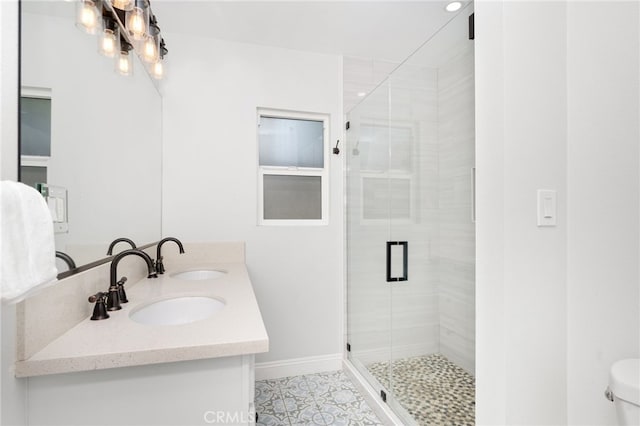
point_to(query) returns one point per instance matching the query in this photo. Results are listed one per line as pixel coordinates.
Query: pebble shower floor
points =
(435, 391)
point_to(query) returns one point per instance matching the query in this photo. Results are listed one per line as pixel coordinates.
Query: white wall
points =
(556, 109)
(13, 392)
(520, 147)
(209, 187)
(603, 308)
(491, 387)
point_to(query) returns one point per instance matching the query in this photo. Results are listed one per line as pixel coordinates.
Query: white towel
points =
(27, 247)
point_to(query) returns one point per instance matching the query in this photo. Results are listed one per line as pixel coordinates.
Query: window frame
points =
(323, 172)
(42, 161)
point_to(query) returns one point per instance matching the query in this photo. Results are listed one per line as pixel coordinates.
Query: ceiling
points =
(378, 30)
(373, 36)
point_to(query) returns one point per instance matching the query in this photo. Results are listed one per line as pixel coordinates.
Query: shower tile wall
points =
(414, 303)
(457, 231)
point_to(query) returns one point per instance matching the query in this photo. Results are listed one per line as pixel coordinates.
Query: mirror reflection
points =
(90, 138)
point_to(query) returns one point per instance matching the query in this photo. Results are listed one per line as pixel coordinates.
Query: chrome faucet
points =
(116, 293)
(159, 265)
(119, 240)
(67, 259)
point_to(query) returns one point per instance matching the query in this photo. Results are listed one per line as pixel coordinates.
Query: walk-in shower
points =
(411, 233)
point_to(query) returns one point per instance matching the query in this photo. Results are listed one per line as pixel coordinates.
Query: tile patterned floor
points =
(432, 389)
(314, 399)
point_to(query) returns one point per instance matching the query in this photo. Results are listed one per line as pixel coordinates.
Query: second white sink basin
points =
(176, 311)
(202, 274)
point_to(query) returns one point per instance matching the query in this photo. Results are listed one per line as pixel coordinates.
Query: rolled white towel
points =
(27, 246)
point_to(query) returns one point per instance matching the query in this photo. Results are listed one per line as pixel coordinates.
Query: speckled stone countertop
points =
(237, 329)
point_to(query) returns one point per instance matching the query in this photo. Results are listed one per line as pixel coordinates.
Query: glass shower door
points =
(413, 220)
(431, 140)
(368, 205)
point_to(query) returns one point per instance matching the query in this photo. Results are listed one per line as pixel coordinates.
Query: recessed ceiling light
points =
(453, 6)
(362, 94)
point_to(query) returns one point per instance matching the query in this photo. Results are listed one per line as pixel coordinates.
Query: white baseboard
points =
(298, 366)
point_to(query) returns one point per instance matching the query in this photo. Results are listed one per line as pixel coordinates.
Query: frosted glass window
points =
(292, 177)
(292, 197)
(291, 142)
(35, 126)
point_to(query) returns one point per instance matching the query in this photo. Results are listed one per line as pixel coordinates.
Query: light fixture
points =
(125, 27)
(157, 68)
(138, 20)
(362, 94)
(150, 49)
(87, 16)
(122, 4)
(453, 6)
(124, 61)
(151, 44)
(109, 39)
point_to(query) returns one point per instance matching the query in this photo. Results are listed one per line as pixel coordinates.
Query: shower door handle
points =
(405, 260)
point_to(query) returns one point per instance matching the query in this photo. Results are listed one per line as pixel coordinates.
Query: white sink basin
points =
(202, 274)
(176, 311)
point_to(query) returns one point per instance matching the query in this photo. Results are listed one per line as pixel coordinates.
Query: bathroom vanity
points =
(150, 363)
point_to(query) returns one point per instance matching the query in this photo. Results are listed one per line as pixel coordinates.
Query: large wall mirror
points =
(90, 135)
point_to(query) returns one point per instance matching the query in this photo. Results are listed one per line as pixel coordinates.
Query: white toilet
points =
(624, 390)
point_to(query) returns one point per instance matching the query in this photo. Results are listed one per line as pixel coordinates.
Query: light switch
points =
(547, 209)
(56, 197)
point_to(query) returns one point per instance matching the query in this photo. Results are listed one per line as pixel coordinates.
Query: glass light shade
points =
(138, 22)
(122, 4)
(87, 16)
(109, 42)
(124, 63)
(150, 49)
(157, 69)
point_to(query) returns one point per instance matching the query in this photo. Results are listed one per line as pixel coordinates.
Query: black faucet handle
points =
(97, 297)
(122, 295)
(159, 265)
(100, 309)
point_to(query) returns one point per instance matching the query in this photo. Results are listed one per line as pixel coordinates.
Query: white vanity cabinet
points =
(120, 371)
(208, 391)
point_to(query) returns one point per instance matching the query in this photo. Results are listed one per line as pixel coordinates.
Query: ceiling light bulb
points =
(150, 50)
(123, 63)
(453, 6)
(108, 43)
(122, 4)
(157, 70)
(361, 94)
(87, 16)
(136, 23)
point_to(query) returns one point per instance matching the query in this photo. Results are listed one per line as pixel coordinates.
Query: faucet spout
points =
(114, 264)
(67, 259)
(119, 240)
(159, 265)
(116, 293)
